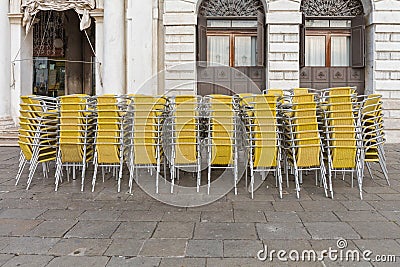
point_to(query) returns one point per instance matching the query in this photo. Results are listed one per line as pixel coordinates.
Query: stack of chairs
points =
(184, 119)
(147, 117)
(342, 133)
(303, 145)
(109, 143)
(371, 119)
(37, 134)
(222, 135)
(264, 138)
(75, 135)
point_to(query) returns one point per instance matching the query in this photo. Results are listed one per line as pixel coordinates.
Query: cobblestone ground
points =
(41, 227)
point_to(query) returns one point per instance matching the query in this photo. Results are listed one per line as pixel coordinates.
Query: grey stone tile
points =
(217, 216)
(357, 205)
(137, 261)
(80, 247)
(379, 246)
(4, 258)
(393, 205)
(318, 216)
(393, 216)
(29, 261)
(331, 230)
(60, 214)
(280, 230)
(287, 206)
(4, 241)
(215, 206)
(92, 229)
(68, 261)
(234, 262)
(135, 230)
(322, 205)
(390, 196)
(185, 262)
(379, 190)
(225, 231)
(124, 247)
(181, 216)
(255, 205)
(287, 245)
(282, 216)
(174, 230)
(16, 227)
(29, 245)
(204, 248)
(52, 228)
(20, 213)
(85, 205)
(141, 216)
(241, 248)
(100, 215)
(377, 230)
(359, 216)
(248, 216)
(164, 248)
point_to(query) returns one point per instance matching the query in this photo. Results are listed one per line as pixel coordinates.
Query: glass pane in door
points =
(245, 50)
(340, 51)
(218, 50)
(315, 51)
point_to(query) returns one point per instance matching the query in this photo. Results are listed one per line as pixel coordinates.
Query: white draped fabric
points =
(31, 7)
(218, 50)
(340, 51)
(245, 50)
(315, 51)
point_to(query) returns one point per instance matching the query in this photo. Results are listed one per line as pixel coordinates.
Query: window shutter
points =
(302, 44)
(358, 42)
(201, 39)
(260, 38)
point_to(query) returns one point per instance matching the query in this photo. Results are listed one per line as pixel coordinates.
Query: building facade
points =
(154, 46)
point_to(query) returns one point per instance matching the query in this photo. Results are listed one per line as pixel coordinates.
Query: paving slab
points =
(4, 258)
(331, 230)
(283, 230)
(53, 228)
(377, 230)
(80, 247)
(55, 214)
(241, 248)
(29, 245)
(205, 248)
(21, 213)
(323, 205)
(393, 216)
(164, 248)
(282, 216)
(28, 261)
(248, 216)
(124, 247)
(393, 205)
(217, 216)
(185, 262)
(135, 230)
(360, 216)
(318, 216)
(17, 227)
(254, 205)
(100, 215)
(92, 229)
(181, 216)
(224, 231)
(68, 261)
(141, 216)
(287, 206)
(174, 230)
(137, 261)
(356, 205)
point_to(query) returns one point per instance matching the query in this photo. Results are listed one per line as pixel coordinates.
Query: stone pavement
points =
(41, 227)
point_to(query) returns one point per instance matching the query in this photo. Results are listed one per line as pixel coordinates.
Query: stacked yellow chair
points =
(342, 133)
(263, 137)
(373, 133)
(37, 134)
(222, 135)
(109, 145)
(146, 150)
(185, 141)
(75, 135)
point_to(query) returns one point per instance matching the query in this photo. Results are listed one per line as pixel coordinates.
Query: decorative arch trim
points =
(332, 8)
(224, 8)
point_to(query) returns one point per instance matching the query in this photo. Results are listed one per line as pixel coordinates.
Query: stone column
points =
(4, 61)
(98, 16)
(114, 47)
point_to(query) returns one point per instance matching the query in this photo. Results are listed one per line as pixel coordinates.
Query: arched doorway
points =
(332, 46)
(231, 47)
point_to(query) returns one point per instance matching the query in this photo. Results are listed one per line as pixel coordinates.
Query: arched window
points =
(332, 43)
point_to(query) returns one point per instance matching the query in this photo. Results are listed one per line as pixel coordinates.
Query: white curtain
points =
(340, 51)
(31, 7)
(245, 54)
(315, 51)
(218, 50)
